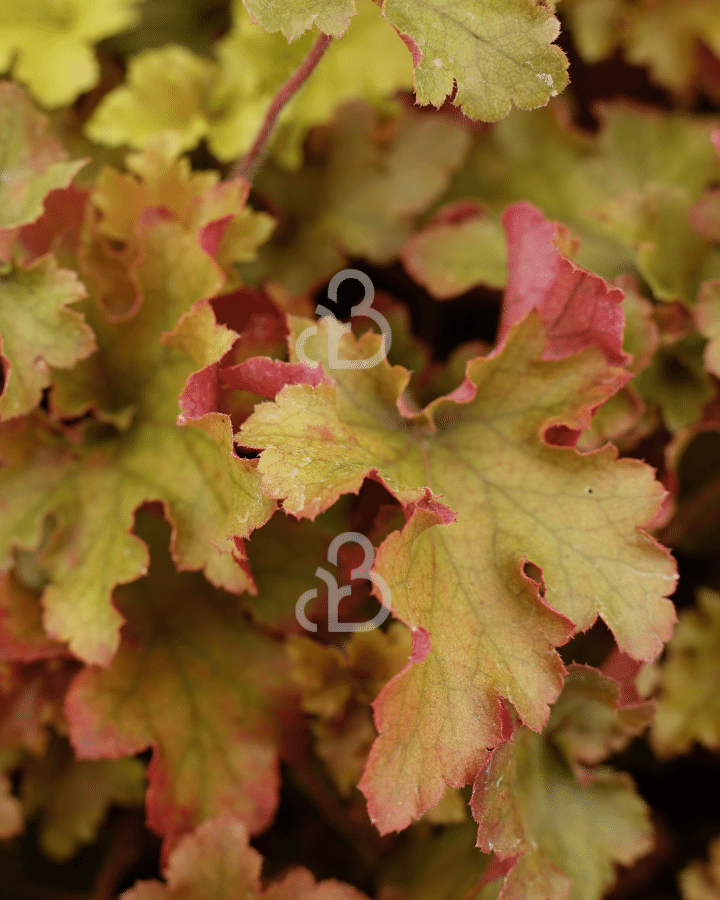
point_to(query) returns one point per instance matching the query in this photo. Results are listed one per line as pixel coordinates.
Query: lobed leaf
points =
(200, 686)
(460, 587)
(33, 163)
(499, 53)
(357, 196)
(217, 863)
(49, 48)
(38, 331)
(562, 826)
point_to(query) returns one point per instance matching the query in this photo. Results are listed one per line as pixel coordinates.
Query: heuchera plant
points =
(359, 419)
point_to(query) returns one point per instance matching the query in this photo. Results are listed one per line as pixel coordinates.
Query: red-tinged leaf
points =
(216, 862)
(579, 309)
(93, 482)
(22, 637)
(38, 331)
(623, 670)
(459, 249)
(210, 211)
(267, 377)
(194, 681)
(562, 825)
(57, 231)
(33, 163)
(31, 698)
(460, 585)
(94, 490)
(705, 214)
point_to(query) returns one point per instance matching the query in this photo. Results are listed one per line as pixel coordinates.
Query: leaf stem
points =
(253, 159)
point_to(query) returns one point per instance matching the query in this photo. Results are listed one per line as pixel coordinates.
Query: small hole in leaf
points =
(530, 570)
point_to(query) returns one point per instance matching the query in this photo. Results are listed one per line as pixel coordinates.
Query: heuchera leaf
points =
(357, 196)
(626, 191)
(701, 880)
(707, 316)
(22, 636)
(460, 248)
(217, 863)
(662, 36)
(499, 53)
(194, 681)
(50, 48)
(449, 866)
(676, 380)
(562, 823)
(73, 797)
(338, 687)
(278, 587)
(189, 97)
(159, 331)
(578, 308)
(625, 419)
(37, 331)
(293, 17)
(31, 698)
(481, 631)
(164, 93)
(688, 708)
(33, 163)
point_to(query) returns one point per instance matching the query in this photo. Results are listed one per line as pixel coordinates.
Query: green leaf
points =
(337, 689)
(460, 587)
(701, 880)
(429, 866)
(216, 862)
(707, 316)
(164, 94)
(569, 823)
(688, 708)
(676, 380)
(626, 192)
(357, 196)
(170, 90)
(73, 797)
(33, 163)
(456, 252)
(148, 346)
(498, 52)
(49, 45)
(194, 681)
(293, 17)
(37, 331)
(662, 37)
